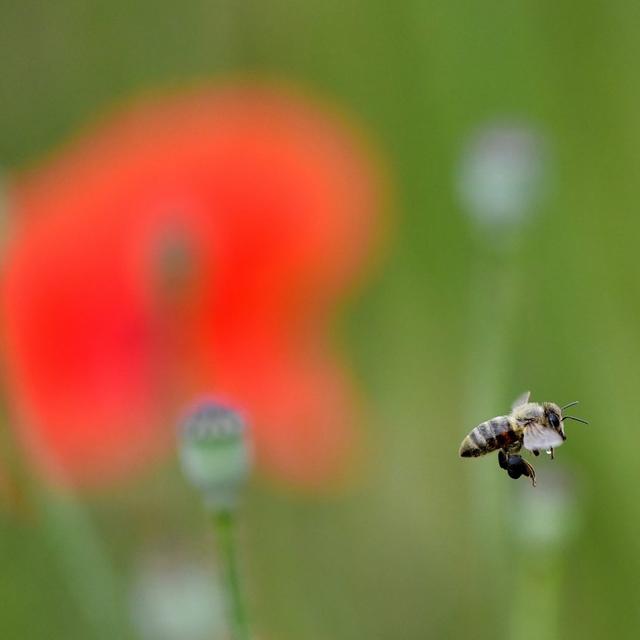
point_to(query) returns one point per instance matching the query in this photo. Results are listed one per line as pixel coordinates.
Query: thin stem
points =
(535, 607)
(493, 307)
(224, 524)
(84, 563)
(72, 538)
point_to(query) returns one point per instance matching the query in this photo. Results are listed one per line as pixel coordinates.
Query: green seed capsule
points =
(215, 453)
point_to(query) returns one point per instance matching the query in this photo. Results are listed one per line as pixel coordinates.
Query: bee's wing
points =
(523, 398)
(539, 438)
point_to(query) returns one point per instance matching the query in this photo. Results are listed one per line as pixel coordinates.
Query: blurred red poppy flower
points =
(192, 244)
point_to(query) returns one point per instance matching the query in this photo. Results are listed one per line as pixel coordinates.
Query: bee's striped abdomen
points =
(493, 434)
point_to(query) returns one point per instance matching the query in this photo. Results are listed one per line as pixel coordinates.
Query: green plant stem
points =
(73, 541)
(535, 609)
(225, 528)
(493, 310)
(84, 563)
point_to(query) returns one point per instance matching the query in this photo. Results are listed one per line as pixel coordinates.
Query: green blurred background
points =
(451, 329)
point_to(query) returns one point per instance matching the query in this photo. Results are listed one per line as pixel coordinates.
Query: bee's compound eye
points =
(554, 420)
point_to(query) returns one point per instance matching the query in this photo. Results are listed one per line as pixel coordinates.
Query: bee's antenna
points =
(576, 419)
(571, 404)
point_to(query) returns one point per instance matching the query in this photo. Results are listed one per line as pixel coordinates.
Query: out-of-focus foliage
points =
(454, 327)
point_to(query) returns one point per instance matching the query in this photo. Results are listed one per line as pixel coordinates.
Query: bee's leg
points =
(529, 471)
(536, 453)
(517, 466)
(551, 453)
(502, 459)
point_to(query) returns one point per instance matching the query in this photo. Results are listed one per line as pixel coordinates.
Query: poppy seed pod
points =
(215, 453)
(502, 174)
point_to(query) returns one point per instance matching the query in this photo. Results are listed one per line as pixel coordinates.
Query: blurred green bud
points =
(215, 453)
(173, 598)
(501, 174)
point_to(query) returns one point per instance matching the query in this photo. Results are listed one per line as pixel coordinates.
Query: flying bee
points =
(533, 425)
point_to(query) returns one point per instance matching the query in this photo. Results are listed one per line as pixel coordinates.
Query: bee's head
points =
(555, 418)
(553, 415)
